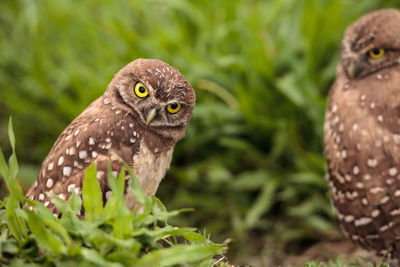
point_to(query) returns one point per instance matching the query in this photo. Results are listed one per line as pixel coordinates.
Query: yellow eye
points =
(173, 108)
(376, 53)
(141, 90)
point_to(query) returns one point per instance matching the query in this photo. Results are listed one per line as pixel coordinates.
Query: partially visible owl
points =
(362, 133)
(143, 113)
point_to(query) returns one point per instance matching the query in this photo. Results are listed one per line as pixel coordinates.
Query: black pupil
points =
(174, 105)
(142, 89)
(376, 51)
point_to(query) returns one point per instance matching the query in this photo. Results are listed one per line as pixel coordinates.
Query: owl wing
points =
(91, 137)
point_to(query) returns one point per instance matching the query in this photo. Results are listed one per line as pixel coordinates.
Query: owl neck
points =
(157, 143)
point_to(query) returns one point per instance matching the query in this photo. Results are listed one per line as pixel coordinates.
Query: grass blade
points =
(92, 195)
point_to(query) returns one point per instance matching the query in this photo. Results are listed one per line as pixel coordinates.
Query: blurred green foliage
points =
(251, 164)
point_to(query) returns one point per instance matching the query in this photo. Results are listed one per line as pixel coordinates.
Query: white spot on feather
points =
(362, 221)
(392, 171)
(82, 154)
(49, 183)
(50, 166)
(372, 163)
(67, 171)
(60, 161)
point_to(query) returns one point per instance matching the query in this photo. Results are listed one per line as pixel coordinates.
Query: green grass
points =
(109, 235)
(251, 164)
(347, 263)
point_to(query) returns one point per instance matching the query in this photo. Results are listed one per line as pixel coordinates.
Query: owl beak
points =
(354, 69)
(151, 115)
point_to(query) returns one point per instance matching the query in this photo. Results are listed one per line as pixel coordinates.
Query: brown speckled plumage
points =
(362, 133)
(116, 122)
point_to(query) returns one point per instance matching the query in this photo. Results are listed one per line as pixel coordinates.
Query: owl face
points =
(158, 95)
(372, 44)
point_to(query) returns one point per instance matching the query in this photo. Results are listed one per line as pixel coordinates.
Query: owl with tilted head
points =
(141, 116)
(362, 133)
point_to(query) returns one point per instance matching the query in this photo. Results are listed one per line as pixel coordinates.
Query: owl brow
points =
(174, 101)
(148, 85)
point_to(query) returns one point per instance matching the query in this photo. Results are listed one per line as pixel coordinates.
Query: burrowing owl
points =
(362, 133)
(143, 113)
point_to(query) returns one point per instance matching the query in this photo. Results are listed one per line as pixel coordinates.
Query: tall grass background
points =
(251, 164)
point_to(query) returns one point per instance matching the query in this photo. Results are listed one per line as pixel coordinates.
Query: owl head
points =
(371, 44)
(157, 94)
